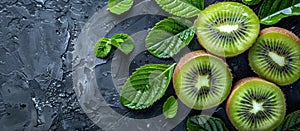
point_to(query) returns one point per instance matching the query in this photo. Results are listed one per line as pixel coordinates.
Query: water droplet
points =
(293, 27)
(2, 62)
(61, 95)
(113, 75)
(106, 73)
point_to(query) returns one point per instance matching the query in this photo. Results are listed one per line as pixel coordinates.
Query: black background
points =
(37, 40)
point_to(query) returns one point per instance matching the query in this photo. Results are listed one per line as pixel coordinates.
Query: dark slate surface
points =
(37, 39)
(35, 53)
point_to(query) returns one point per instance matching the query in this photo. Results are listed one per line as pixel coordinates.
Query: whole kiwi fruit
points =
(201, 80)
(276, 56)
(256, 104)
(227, 29)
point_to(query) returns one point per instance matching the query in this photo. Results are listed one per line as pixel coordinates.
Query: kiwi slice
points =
(256, 104)
(276, 56)
(201, 80)
(227, 28)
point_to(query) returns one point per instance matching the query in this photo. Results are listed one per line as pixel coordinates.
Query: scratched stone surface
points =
(36, 44)
(37, 38)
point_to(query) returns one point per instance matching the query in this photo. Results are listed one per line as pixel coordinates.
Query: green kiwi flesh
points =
(202, 81)
(276, 56)
(227, 29)
(256, 105)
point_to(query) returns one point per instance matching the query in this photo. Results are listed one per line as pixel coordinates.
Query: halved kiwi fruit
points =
(256, 104)
(276, 56)
(201, 80)
(227, 28)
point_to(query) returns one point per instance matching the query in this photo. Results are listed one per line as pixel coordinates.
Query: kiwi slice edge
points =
(243, 85)
(281, 31)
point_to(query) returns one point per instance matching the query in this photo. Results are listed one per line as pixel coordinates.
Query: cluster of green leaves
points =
(149, 82)
(122, 41)
(167, 38)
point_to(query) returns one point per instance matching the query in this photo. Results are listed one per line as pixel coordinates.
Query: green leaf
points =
(123, 42)
(169, 36)
(205, 123)
(251, 2)
(270, 7)
(277, 16)
(119, 6)
(146, 85)
(102, 47)
(265, 8)
(170, 107)
(275, 6)
(197, 3)
(182, 8)
(295, 2)
(291, 122)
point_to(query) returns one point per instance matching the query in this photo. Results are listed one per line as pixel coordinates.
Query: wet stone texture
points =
(37, 39)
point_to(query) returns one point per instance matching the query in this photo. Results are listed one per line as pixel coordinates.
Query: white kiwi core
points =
(256, 107)
(280, 60)
(228, 28)
(203, 81)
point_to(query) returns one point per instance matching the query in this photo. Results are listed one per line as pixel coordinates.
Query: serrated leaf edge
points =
(170, 68)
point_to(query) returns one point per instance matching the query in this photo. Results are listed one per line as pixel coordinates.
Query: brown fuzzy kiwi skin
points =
(190, 56)
(186, 58)
(282, 31)
(239, 84)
